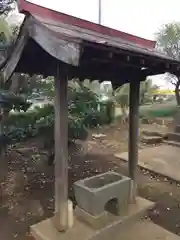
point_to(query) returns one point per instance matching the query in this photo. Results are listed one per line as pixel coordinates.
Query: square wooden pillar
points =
(133, 135)
(61, 150)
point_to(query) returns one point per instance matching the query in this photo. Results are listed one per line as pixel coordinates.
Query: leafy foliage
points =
(6, 33)
(168, 40)
(146, 92)
(85, 112)
(6, 6)
(9, 101)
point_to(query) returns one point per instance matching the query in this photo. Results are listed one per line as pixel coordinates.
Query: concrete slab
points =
(81, 231)
(163, 160)
(142, 229)
(145, 229)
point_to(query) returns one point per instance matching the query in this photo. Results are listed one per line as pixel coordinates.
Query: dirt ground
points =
(27, 182)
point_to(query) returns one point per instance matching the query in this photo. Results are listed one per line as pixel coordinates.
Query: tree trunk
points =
(177, 92)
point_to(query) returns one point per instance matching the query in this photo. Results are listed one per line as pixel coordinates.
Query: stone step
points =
(154, 133)
(172, 143)
(177, 129)
(151, 139)
(174, 137)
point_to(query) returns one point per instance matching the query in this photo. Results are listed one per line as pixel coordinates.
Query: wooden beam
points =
(61, 150)
(133, 135)
(139, 57)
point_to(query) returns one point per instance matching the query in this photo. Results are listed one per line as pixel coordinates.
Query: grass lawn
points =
(159, 110)
(155, 110)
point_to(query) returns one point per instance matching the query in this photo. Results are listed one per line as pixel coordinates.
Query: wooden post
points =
(61, 150)
(133, 135)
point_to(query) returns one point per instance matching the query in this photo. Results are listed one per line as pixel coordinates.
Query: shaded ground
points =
(27, 183)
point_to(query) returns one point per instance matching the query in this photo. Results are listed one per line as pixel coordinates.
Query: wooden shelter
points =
(55, 44)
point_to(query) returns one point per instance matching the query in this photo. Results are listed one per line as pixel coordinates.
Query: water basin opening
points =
(112, 206)
(103, 180)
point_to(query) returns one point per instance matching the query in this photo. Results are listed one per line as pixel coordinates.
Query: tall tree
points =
(168, 42)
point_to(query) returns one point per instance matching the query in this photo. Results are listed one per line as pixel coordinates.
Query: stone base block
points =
(45, 230)
(96, 222)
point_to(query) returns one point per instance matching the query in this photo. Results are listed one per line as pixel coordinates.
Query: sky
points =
(139, 17)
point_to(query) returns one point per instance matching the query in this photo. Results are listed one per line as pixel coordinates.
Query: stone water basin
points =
(95, 193)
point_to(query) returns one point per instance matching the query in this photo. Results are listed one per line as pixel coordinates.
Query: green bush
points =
(163, 112)
(158, 111)
(85, 112)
